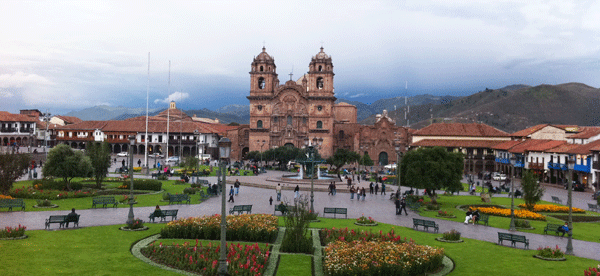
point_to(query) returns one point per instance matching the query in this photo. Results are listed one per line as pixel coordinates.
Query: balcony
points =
(582, 168)
(502, 160)
(536, 166)
(557, 166)
(8, 130)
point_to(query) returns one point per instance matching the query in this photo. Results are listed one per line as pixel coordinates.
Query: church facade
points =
(293, 113)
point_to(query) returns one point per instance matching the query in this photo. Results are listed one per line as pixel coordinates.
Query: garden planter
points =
(16, 238)
(139, 229)
(366, 224)
(549, 259)
(448, 241)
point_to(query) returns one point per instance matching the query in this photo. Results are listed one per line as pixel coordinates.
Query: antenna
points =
(406, 85)
(168, 109)
(146, 136)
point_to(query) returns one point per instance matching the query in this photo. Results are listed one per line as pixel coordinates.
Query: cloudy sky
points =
(69, 55)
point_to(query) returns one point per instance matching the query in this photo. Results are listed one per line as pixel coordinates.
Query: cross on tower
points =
(291, 73)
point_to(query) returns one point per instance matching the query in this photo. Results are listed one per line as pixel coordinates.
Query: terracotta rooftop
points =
(155, 126)
(458, 129)
(524, 146)
(544, 146)
(530, 130)
(10, 117)
(507, 145)
(586, 148)
(586, 133)
(563, 148)
(69, 119)
(456, 143)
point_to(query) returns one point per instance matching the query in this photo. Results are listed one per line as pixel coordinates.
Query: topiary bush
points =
(143, 184)
(189, 191)
(453, 235)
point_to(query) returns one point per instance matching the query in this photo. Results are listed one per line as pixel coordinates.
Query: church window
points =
(259, 124)
(304, 120)
(261, 69)
(261, 83)
(275, 119)
(320, 83)
(320, 68)
(259, 107)
(320, 107)
(319, 124)
(341, 134)
(289, 120)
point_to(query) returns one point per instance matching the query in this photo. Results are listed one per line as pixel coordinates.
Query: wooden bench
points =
(425, 223)
(240, 209)
(61, 220)
(281, 208)
(104, 201)
(552, 227)
(557, 200)
(593, 207)
(164, 214)
(513, 239)
(483, 218)
(335, 211)
(179, 198)
(10, 203)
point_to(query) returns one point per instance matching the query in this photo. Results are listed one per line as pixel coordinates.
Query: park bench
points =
(552, 227)
(240, 209)
(281, 208)
(155, 175)
(10, 203)
(593, 207)
(61, 220)
(425, 223)
(164, 214)
(179, 198)
(104, 201)
(557, 200)
(513, 239)
(483, 218)
(335, 211)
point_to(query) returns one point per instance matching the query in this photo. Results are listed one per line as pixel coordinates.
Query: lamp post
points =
(197, 135)
(513, 161)
(130, 217)
(29, 150)
(224, 150)
(399, 155)
(47, 120)
(571, 165)
(261, 152)
(311, 159)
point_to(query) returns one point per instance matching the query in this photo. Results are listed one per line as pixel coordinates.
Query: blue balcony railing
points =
(582, 168)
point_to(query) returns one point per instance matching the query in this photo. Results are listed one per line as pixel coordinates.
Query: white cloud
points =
(357, 95)
(177, 97)
(20, 79)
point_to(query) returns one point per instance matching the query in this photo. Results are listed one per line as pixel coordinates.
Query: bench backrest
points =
(592, 206)
(553, 226)
(429, 223)
(57, 218)
(504, 236)
(555, 198)
(12, 202)
(247, 207)
(238, 207)
(328, 210)
(341, 211)
(280, 207)
(104, 199)
(518, 238)
(417, 221)
(169, 212)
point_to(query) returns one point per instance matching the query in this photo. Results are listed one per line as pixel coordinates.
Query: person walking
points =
(371, 187)
(231, 193)
(363, 192)
(296, 192)
(237, 187)
(397, 203)
(351, 192)
(330, 189)
(376, 188)
(403, 206)
(334, 188)
(383, 188)
(139, 162)
(278, 191)
(270, 200)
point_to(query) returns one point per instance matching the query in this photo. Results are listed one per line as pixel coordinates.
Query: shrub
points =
(44, 203)
(162, 177)
(189, 191)
(32, 193)
(135, 224)
(245, 227)
(54, 184)
(548, 252)
(592, 271)
(137, 169)
(166, 196)
(453, 235)
(522, 223)
(525, 214)
(432, 207)
(552, 208)
(327, 236)
(143, 184)
(365, 220)
(203, 259)
(9, 232)
(445, 214)
(297, 238)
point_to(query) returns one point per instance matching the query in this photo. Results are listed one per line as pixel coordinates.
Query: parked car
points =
(123, 154)
(496, 176)
(157, 155)
(576, 186)
(173, 159)
(502, 177)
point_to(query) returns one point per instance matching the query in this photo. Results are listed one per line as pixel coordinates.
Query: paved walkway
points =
(377, 206)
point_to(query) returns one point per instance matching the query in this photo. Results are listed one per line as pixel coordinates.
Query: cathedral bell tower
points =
(263, 76)
(320, 75)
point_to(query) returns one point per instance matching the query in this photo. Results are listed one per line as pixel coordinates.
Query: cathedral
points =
(294, 113)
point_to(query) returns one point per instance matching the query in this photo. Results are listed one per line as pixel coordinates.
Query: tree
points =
(99, 155)
(67, 164)
(432, 169)
(190, 163)
(532, 190)
(366, 160)
(284, 154)
(254, 156)
(12, 166)
(342, 157)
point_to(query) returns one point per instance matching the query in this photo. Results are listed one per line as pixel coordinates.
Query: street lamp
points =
(571, 166)
(399, 155)
(224, 150)
(261, 152)
(29, 149)
(130, 217)
(47, 120)
(513, 162)
(197, 134)
(311, 159)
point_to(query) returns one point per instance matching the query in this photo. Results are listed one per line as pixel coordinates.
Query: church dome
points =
(263, 56)
(321, 55)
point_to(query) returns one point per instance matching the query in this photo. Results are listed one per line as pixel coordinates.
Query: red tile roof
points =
(526, 144)
(10, 117)
(155, 126)
(459, 129)
(586, 133)
(506, 145)
(586, 148)
(69, 119)
(456, 143)
(528, 131)
(549, 144)
(563, 148)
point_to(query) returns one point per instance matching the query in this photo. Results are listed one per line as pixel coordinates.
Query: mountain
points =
(224, 118)
(105, 112)
(514, 107)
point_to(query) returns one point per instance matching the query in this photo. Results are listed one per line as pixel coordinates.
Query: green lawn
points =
(587, 231)
(104, 250)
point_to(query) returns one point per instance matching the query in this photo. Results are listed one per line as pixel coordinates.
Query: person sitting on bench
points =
(72, 217)
(564, 229)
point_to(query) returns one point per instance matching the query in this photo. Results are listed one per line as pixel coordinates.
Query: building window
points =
(259, 124)
(275, 119)
(320, 68)
(289, 120)
(320, 83)
(320, 107)
(261, 83)
(261, 68)
(259, 107)
(319, 124)
(341, 135)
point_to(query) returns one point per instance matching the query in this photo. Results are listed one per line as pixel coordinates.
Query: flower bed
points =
(9, 232)
(445, 214)
(245, 227)
(361, 257)
(524, 214)
(552, 208)
(241, 260)
(365, 221)
(549, 254)
(32, 193)
(343, 234)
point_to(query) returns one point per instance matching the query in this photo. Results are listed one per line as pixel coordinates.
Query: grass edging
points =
(317, 253)
(274, 255)
(136, 250)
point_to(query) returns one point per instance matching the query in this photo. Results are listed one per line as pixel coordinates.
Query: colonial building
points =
(18, 129)
(295, 112)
